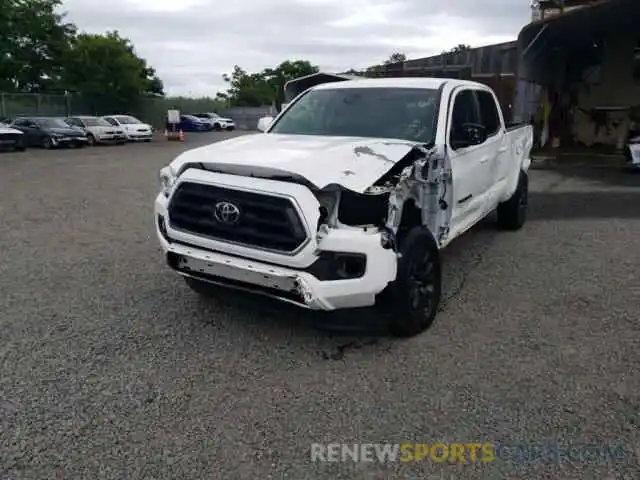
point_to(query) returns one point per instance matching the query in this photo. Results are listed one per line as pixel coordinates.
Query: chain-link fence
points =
(16, 104)
(246, 118)
(150, 110)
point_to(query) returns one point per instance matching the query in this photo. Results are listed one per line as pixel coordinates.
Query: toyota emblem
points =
(227, 213)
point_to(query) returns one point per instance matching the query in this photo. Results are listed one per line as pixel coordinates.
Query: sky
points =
(191, 43)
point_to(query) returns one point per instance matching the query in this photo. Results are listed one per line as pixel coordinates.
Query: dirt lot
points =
(112, 368)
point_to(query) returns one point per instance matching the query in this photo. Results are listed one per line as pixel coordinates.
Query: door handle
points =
(464, 199)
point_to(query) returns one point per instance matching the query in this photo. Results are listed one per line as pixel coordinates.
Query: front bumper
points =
(138, 136)
(66, 141)
(108, 138)
(292, 285)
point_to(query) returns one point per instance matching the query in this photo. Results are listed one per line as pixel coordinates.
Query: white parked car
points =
(98, 130)
(11, 138)
(347, 197)
(216, 121)
(632, 153)
(134, 129)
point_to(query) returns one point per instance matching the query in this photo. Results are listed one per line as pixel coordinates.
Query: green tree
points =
(459, 48)
(106, 69)
(395, 58)
(34, 39)
(286, 71)
(265, 87)
(247, 89)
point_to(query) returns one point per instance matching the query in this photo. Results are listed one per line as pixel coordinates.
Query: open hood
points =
(352, 163)
(295, 87)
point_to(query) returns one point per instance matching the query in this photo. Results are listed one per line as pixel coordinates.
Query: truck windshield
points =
(401, 113)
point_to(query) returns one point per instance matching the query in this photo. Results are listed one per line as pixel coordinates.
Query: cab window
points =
(465, 111)
(489, 115)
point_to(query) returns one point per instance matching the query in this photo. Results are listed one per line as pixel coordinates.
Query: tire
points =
(91, 140)
(230, 129)
(512, 214)
(47, 143)
(202, 288)
(409, 309)
(147, 140)
(217, 127)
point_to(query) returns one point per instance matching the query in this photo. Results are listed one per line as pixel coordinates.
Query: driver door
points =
(469, 164)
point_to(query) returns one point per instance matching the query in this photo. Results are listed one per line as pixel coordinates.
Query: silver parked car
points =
(632, 153)
(98, 130)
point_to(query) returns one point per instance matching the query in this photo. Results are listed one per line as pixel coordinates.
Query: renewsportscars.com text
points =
(546, 452)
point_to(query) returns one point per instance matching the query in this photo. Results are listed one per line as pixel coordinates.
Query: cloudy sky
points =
(191, 43)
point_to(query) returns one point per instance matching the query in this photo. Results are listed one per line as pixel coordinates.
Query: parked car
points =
(632, 153)
(189, 123)
(50, 132)
(11, 138)
(98, 130)
(216, 121)
(347, 197)
(134, 129)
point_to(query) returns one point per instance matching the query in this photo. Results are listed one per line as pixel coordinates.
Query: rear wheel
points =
(512, 214)
(412, 302)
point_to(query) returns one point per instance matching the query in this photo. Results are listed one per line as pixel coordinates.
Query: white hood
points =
(6, 129)
(353, 163)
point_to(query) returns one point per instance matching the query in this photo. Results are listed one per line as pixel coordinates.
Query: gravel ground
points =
(112, 368)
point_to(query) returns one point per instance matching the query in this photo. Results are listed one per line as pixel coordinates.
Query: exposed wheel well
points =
(411, 217)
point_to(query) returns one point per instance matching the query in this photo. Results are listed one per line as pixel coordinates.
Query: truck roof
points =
(398, 82)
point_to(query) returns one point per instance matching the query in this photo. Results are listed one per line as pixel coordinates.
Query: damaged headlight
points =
(357, 209)
(167, 180)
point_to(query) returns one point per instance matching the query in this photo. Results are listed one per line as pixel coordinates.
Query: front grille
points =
(10, 138)
(265, 221)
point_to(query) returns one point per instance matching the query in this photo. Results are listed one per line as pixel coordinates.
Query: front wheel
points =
(413, 299)
(217, 127)
(512, 214)
(47, 142)
(91, 140)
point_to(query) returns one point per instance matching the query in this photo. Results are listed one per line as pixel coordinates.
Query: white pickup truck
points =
(347, 196)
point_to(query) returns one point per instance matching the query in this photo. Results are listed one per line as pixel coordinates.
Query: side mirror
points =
(468, 135)
(264, 123)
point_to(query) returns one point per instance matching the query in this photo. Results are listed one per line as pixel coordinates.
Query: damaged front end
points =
(415, 192)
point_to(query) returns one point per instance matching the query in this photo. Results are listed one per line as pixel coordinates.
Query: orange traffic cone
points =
(181, 136)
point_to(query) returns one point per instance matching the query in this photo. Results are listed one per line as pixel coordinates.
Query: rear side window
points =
(489, 116)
